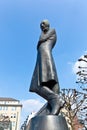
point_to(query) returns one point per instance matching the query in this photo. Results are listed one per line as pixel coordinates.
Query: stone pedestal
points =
(48, 122)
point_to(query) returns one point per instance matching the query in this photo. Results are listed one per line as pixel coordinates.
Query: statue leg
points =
(56, 88)
(53, 99)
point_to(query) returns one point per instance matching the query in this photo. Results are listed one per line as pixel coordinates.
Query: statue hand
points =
(40, 42)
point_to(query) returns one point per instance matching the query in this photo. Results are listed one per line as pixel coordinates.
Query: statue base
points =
(48, 122)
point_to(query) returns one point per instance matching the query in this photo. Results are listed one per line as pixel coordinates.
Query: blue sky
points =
(19, 33)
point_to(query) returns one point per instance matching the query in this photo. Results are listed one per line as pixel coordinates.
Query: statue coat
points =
(45, 70)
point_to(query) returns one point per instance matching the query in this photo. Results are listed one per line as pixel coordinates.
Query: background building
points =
(25, 125)
(11, 108)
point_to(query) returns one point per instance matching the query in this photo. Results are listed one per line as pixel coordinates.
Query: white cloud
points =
(75, 67)
(29, 106)
(79, 63)
(85, 51)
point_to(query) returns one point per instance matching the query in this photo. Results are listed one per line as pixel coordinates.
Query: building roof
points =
(7, 99)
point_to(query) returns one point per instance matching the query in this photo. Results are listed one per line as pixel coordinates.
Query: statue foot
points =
(56, 105)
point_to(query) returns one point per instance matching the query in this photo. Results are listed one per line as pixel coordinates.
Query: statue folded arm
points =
(45, 37)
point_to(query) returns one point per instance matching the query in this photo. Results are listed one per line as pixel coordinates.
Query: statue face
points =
(44, 26)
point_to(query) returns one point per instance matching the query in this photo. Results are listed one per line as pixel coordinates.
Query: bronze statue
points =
(45, 81)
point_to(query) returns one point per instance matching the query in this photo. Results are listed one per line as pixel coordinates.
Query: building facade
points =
(11, 108)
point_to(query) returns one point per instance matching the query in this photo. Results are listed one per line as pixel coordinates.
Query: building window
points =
(13, 108)
(13, 123)
(4, 108)
(0, 108)
(13, 115)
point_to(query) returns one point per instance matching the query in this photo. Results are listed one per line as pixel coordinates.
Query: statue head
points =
(44, 25)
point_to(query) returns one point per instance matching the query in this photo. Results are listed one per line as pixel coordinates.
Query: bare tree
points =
(5, 122)
(82, 83)
(82, 73)
(76, 103)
